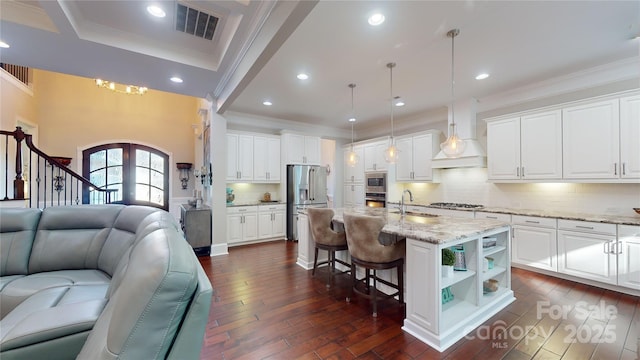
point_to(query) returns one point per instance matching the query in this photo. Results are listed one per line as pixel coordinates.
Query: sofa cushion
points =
(20, 289)
(145, 311)
(52, 313)
(17, 232)
(71, 237)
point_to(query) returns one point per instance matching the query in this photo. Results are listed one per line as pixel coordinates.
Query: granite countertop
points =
(432, 229)
(565, 215)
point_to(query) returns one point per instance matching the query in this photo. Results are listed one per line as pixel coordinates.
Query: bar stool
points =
(325, 238)
(367, 252)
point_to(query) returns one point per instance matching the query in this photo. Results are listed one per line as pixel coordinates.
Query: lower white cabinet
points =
(627, 250)
(534, 242)
(585, 250)
(242, 224)
(450, 212)
(271, 221)
(353, 195)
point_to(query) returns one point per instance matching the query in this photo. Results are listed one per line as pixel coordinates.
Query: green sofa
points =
(99, 282)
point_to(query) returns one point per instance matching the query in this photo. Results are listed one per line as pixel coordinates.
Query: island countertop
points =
(432, 229)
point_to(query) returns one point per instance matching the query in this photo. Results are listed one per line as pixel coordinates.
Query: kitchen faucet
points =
(403, 209)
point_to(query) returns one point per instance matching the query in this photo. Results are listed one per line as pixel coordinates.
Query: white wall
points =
(470, 186)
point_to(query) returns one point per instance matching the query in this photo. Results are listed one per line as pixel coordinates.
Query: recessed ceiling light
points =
(398, 101)
(376, 19)
(267, 103)
(156, 11)
(352, 119)
(3, 44)
(482, 76)
(176, 80)
(302, 76)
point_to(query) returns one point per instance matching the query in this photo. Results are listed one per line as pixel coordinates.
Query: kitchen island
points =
(429, 318)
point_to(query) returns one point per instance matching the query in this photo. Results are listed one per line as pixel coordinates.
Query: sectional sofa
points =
(99, 282)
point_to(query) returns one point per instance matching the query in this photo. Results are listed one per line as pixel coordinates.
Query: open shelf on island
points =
(497, 270)
(492, 250)
(496, 294)
(456, 278)
(454, 312)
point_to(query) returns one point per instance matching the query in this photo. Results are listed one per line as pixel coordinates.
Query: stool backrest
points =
(362, 238)
(320, 224)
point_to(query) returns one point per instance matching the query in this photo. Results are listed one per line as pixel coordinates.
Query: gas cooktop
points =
(447, 205)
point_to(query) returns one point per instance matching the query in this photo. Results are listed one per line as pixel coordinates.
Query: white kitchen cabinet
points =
(591, 141)
(355, 174)
(239, 157)
(627, 250)
(353, 195)
(492, 216)
(534, 242)
(525, 148)
(271, 221)
(242, 224)
(414, 162)
(584, 250)
(374, 156)
(266, 159)
(629, 137)
(301, 149)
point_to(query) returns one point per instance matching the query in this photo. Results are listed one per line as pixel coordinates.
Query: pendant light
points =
(453, 147)
(391, 153)
(352, 157)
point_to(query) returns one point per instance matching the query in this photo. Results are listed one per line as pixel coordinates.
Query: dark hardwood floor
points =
(267, 307)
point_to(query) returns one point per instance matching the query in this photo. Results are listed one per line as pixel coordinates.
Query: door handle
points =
(624, 169)
(518, 171)
(606, 247)
(522, 171)
(619, 250)
(615, 168)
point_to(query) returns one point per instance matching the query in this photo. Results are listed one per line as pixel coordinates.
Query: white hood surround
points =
(474, 154)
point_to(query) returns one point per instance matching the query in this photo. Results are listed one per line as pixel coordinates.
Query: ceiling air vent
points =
(195, 22)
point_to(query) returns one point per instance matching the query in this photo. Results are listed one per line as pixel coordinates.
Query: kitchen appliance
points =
(376, 182)
(376, 200)
(306, 187)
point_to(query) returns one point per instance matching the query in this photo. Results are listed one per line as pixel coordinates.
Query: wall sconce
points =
(203, 173)
(184, 169)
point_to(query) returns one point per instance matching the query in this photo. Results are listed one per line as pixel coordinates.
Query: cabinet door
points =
(628, 249)
(250, 226)
(503, 149)
(541, 146)
(381, 164)
(234, 228)
(422, 155)
(590, 141)
(585, 255)
(348, 195)
(232, 157)
(404, 165)
(245, 157)
(536, 247)
(274, 167)
(349, 171)
(312, 150)
(294, 152)
(265, 226)
(279, 222)
(629, 135)
(261, 158)
(370, 157)
(358, 195)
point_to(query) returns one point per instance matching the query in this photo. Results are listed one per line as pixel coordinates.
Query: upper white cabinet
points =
(629, 137)
(354, 174)
(266, 159)
(374, 156)
(525, 148)
(301, 149)
(591, 141)
(239, 157)
(416, 152)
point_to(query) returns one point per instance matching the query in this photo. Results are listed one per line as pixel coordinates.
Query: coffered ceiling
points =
(260, 46)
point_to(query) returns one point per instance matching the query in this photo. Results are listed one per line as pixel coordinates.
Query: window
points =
(138, 173)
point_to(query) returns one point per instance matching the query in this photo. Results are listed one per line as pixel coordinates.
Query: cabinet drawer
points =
(241, 209)
(493, 216)
(587, 226)
(534, 221)
(628, 230)
(274, 207)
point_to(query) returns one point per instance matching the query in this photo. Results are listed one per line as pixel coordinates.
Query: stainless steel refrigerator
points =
(306, 187)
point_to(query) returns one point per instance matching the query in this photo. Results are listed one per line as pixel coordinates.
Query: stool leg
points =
(330, 255)
(373, 293)
(401, 282)
(315, 263)
(353, 281)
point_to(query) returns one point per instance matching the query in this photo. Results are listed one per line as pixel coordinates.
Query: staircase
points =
(34, 179)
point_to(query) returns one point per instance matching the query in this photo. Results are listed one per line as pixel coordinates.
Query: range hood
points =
(474, 154)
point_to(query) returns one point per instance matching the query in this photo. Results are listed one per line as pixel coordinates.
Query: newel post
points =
(18, 183)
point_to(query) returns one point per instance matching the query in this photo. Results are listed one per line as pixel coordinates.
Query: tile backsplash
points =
(470, 186)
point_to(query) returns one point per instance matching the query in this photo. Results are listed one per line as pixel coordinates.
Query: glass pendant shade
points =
(391, 153)
(352, 158)
(453, 147)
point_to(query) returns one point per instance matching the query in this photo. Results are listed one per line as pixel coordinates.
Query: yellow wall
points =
(72, 112)
(15, 104)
